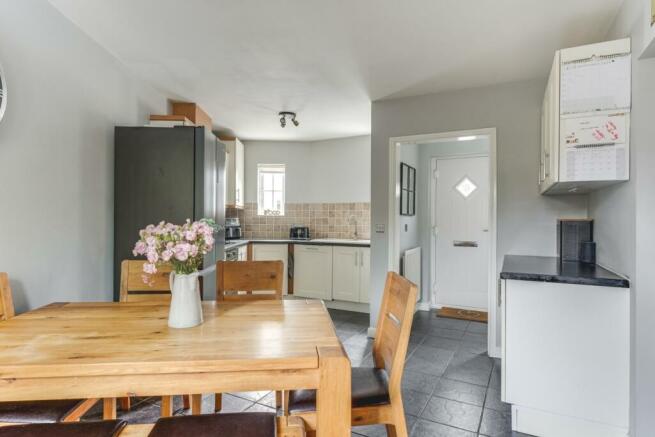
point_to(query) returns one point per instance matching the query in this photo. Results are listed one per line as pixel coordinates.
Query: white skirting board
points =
(411, 264)
(541, 423)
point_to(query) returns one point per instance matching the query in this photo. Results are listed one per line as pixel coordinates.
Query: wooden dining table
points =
(111, 350)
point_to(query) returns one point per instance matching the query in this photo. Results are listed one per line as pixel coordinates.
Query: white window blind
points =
(270, 189)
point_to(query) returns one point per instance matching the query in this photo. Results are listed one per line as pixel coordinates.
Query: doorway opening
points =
(453, 198)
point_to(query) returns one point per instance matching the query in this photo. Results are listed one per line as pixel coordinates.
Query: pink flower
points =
(190, 235)
(151, 241)
(181, 252)
(209, 241)
(139, 248)
(152, 256)
(149, 268)
(193, 251)
(167, 255)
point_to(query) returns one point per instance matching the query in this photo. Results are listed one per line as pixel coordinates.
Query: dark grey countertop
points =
(317, 242)
(550, 269)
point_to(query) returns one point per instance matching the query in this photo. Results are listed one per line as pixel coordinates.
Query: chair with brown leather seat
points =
(249, 281)
(67, 410)
(229, 424)
(376, 392)
(104, 428)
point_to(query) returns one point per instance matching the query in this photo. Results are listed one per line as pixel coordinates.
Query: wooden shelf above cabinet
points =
(194, 113)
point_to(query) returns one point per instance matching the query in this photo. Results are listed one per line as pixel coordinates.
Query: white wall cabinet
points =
(312, 271)
(234, 173)
(350, 273)
(273, 252)
(585, 121)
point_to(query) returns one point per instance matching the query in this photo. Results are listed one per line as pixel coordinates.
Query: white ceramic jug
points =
(186, 308)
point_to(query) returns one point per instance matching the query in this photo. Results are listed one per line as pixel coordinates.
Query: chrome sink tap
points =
(353, 221)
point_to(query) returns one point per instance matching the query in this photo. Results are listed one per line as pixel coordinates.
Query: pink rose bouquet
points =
(182, 246)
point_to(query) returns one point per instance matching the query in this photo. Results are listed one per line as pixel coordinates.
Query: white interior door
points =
(461, 232)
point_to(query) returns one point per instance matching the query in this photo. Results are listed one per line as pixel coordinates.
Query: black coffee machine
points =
(232, 229)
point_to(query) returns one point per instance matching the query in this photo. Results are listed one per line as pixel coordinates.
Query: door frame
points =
(433, 211)
(393, 236)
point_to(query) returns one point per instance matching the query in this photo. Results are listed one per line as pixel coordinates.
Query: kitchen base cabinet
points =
(364, 274)
(312, 271)
(566, 358)
(345, 273)
(350, 273)
(272, 252)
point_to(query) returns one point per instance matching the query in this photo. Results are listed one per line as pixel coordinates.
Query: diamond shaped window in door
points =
(466, 187)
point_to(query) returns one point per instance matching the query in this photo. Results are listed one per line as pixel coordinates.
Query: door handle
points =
(465, 243)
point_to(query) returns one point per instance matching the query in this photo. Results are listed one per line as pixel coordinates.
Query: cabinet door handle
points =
(356, 259)
(361, 258)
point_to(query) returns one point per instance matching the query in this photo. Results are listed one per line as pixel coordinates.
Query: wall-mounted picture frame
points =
(407, 189)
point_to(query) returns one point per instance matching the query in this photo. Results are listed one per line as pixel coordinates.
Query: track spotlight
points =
(283, 118)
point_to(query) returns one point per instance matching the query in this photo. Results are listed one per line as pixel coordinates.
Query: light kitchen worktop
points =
(319, 242)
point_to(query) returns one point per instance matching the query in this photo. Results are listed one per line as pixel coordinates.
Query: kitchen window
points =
(270, 189)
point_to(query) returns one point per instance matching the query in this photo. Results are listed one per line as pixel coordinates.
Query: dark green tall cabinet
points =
(170, 174)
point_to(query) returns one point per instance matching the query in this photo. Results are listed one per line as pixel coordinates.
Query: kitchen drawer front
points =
(312, 271)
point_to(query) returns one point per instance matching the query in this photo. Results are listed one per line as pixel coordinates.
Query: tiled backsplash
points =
(325, 220)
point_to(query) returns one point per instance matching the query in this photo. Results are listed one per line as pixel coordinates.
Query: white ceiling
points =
(245, 60)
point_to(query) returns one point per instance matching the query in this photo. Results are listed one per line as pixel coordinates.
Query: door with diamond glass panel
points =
(461, 231)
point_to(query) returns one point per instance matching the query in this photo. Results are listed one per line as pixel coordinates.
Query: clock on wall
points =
(3, 93)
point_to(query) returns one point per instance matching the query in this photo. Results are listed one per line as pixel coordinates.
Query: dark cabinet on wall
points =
(169, 174)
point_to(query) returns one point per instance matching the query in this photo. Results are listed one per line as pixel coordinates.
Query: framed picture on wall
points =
(407, 189)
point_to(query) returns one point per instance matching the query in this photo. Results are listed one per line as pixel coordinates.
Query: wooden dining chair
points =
(376, 393)
(248, 281)
(134, 289)
(67, 410)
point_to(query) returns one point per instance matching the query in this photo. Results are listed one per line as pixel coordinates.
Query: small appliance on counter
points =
(232, 229)
(575, 240)
(299, 233)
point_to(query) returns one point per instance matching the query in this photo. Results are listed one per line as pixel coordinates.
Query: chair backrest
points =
(133, 289)
(394, 326)
(249, 280)
(6, 301)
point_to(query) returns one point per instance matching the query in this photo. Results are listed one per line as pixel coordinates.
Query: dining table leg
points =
(196, 404)
(166, 406)
(109, 408)
(333, 397)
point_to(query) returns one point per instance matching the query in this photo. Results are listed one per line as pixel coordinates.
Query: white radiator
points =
(412, 266)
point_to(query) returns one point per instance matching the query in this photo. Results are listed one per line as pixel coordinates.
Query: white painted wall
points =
(331, 171)
(624, 213)
(526, 220)
(66, 94)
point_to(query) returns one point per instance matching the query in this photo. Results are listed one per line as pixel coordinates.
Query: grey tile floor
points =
(451, 388)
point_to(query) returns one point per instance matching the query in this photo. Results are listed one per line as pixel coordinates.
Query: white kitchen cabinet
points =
(364, 274)
(234, 173)
(345, 273)
(312, 271)
(585, 120)
(566, 358)
(350, 273)
(273, 252)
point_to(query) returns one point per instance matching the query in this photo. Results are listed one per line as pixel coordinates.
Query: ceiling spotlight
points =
(290, 115)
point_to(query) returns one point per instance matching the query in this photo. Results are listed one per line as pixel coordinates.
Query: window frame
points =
(273, 169)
